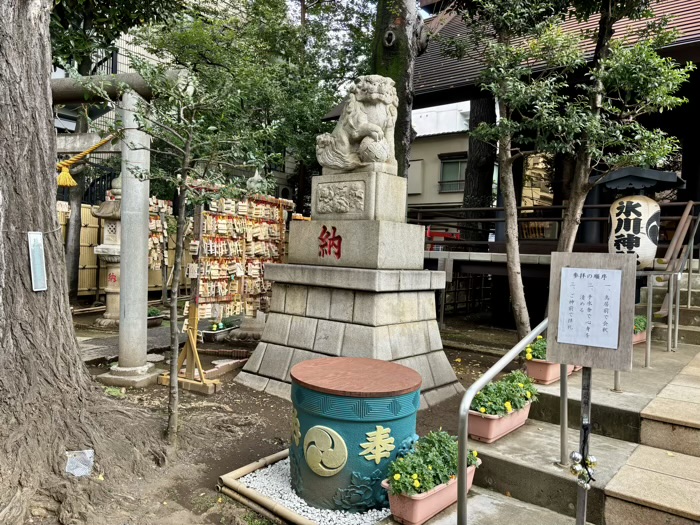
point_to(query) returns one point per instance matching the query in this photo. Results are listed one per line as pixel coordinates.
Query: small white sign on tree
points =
(591, 306)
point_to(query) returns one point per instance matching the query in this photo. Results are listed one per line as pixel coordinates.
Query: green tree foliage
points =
(82, 28)
(285, 67)
(554, 97)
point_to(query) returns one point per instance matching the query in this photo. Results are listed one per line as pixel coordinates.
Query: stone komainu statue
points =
(365, 130)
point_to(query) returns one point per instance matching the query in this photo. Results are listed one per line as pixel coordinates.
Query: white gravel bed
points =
(275, 482)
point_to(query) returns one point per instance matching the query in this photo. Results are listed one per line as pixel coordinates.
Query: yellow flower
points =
(521, 385)
(539, 337)
(475, 454)
(528, 394)
(482, 410)
(528, 349)
(508, 406)
(415, 476)
(416, 483)
(528, 357)
(430, 467)
(397, 477)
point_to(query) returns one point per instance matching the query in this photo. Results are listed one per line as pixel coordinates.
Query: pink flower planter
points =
(641, 337)
(417, 509)
(544, 372)
(487, 428)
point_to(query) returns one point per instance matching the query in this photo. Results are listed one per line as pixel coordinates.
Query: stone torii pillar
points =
(133, 369)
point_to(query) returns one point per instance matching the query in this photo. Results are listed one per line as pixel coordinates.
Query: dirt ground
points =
(220, 433)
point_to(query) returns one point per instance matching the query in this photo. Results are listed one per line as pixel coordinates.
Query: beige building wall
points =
(424, 172)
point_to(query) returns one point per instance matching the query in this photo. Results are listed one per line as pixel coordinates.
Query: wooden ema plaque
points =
(591, 310)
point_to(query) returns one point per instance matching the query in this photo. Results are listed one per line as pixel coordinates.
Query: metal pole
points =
(650, 295)
(616, 382)
(582, 497)
(563, 415)
(669, 318)
(464, 416)
(690, 269)
(677, 316)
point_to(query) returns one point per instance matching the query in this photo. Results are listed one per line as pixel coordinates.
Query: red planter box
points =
(544, 372)
(487, 428)
(641, 337)
(417, 509)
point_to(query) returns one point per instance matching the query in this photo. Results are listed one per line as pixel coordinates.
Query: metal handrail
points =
(464, 415)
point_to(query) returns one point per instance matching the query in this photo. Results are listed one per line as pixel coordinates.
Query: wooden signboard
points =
(591, 310)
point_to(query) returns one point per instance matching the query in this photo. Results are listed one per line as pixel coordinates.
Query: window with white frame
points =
(452, 167)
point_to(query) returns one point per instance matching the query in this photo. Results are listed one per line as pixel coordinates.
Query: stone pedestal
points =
(110, 256)
(321, 311)
(355, 284)
(109, 253)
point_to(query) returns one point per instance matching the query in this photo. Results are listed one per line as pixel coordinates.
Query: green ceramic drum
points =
(352, 416)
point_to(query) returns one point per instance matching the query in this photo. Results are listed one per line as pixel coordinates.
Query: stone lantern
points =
(108, 252)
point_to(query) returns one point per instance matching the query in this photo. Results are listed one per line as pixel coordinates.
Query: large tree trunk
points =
(398, 40)
(577, 198)
(510, 206)
(478, 176)
(47, 402)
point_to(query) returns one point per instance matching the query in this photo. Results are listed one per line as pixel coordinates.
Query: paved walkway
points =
(96, 345)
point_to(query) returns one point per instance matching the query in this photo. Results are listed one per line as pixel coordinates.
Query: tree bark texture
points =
(173, 401)
(48, 404)
(510, 206)
(478, 176)
(398, 39)
(574, 208)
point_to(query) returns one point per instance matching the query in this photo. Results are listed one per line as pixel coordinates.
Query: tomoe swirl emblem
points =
(325, 451)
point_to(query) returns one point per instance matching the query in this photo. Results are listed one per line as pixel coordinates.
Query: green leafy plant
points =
(229, 322)
(153, 312)
(640, 324)
(115, 391)
(536, 350)
(500, 398)
(432, 462)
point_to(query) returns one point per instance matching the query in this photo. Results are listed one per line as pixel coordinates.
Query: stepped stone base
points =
(309, 322)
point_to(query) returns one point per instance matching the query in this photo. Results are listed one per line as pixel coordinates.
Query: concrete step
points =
(617, 414)
(689, 316)
(672, 419)
(486, 507)
(524, 465)
(686, 334)
(660, 292)
(654, 487)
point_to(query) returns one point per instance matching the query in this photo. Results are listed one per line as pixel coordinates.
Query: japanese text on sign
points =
(589, 307)
(330, 243)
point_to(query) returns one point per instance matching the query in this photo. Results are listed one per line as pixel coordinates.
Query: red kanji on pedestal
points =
(329, 243)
